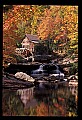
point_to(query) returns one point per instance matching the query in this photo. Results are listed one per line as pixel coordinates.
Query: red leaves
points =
(50, 22)
(47, 26)
(60, 108)
(61, 99)
(56, 105)
(42, 110)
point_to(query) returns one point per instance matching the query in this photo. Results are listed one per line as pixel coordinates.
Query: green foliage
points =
(18, 44)
(31, 111)
(12, 105)
(21, 29)
(59, 23)
(20, 59)
(73, 69)
(8, 59)
(71, 106)
(70, 51)
(73, 57)
(40, 49)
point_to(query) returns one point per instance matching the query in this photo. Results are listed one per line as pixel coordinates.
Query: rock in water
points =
(73, 77)
(24, 76)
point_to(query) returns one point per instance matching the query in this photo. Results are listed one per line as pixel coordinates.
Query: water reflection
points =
(26, 95)
(11, 103)
(74, 90)
(41, 102)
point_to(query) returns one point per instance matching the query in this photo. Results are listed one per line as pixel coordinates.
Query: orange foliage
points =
(46, 27)
(42, 110)
(10, 25)
(61, 99)
(60, 108)
(60, 23)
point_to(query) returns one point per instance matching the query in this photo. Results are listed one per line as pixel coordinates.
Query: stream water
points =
(38, 101)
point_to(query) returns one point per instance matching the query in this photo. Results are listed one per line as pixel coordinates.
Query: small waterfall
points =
(57, 70)
(57, 67)
(41, 67)
(38, 70)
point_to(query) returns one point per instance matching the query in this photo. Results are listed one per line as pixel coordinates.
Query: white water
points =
(57, 67)
(41, 67)
(57, 70)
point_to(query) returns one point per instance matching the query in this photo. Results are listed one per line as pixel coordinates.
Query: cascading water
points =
(50, 70)
(38, 70)
(57, 71)
(57, 67)
(41, 67)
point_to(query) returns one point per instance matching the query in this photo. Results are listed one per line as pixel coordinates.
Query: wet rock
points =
(56, 76)
(73, 82)
(76, 74)
(24, 76)
(73, 77)
(66, 70)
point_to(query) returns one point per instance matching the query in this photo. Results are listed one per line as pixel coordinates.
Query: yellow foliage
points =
(74, 46)
(71, 114)
(54, 41)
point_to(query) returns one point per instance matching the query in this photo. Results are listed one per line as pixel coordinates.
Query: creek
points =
(40, 101)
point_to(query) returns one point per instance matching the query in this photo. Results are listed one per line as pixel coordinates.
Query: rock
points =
(69, 60)
(73, 82)
(24, 76)
(76, 74)
(76, 59)
(65, 80)
(9, 64)
(73, 77)
(76, 77)
(56, 76)
(66, 69)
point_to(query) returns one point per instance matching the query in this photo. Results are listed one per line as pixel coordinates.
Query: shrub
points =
(73, 69)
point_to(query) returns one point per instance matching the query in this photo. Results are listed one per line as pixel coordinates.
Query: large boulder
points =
(24, 76)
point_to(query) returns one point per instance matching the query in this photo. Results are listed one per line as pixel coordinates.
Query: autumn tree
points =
(56, 23)
(69, 28)
(61, 24)
(14, 22)
(45, 29)
(49, 27)
(17, 21)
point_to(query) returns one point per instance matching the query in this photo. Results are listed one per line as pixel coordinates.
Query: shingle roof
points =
(32, 37)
